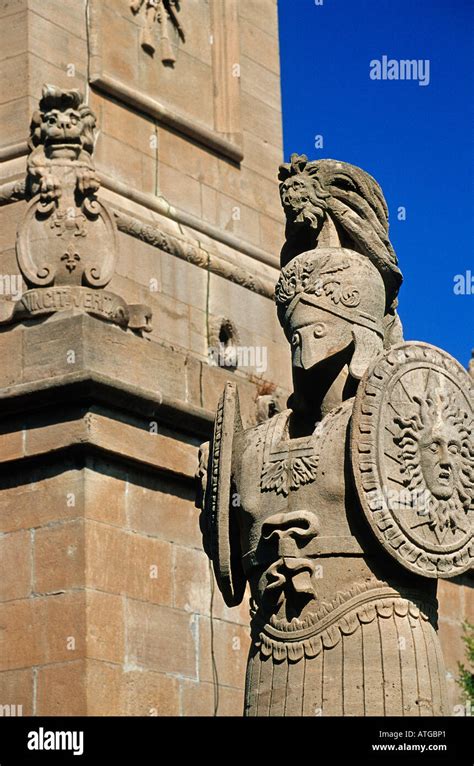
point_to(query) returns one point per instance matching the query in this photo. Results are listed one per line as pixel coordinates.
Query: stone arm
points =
(87, 179)
(41, 178)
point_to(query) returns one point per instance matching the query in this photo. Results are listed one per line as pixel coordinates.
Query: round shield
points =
(222, 523)
(412, 447)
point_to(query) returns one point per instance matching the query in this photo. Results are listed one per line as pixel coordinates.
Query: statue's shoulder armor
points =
(412, 454)
(255, 437)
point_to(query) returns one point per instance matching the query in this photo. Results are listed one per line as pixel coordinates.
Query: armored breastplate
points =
(298, 503)
(306, 550)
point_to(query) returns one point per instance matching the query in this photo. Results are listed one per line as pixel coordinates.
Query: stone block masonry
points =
(109, 604)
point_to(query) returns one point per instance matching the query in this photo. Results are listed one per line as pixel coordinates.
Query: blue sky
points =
(417, 141)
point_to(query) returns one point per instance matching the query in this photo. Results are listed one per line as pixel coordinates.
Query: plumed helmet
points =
(311, 192)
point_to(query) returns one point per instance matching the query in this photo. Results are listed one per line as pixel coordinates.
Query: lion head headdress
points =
(331, 194)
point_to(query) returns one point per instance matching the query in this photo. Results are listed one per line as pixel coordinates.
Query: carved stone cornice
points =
(186, 249)
(193, 253)
(10, 191)
(168, 116)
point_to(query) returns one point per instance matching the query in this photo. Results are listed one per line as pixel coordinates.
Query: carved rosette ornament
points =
(341, 512)
(67, 241)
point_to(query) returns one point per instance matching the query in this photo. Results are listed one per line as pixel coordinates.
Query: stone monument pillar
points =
(343, 511)
(107, 603)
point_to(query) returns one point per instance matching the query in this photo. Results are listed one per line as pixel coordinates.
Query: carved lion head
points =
(62, 119)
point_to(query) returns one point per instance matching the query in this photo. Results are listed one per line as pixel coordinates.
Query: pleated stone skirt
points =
(390, 665)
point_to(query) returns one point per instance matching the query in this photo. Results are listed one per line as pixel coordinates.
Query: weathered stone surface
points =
(105, 626)
(260, 82)
(162, 639)
(95, 688)
(147, 576)
(200, 699)
(15, 566)
(191, 580)
(235, 217)
(62, 689)
(74, 344)
(13, 35)
(104, 489)
(180, 190)
(455, 607)
(48, 497)
(59, 558)
(38, 631)
(283, 503)
(126, 126)
(104, 493)
(14, 115)
(66, 243)
(261, 120)
(133, 166)
(70, 18)
(149, 693)
(249, 313)
(164, 510)
(262, 14)
(16, 691)
(120, 59)
(177, 152)
(14, 74)
(69, 52)
(226, 640)
(271, 233)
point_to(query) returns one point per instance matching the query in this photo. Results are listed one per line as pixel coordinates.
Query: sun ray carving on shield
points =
(413, 451)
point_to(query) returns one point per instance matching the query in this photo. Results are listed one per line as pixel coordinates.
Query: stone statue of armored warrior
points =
(358, 497)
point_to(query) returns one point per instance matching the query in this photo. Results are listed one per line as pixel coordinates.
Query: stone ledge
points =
(93, 386)
(169, 116)
(97, 432)
(101, 400)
